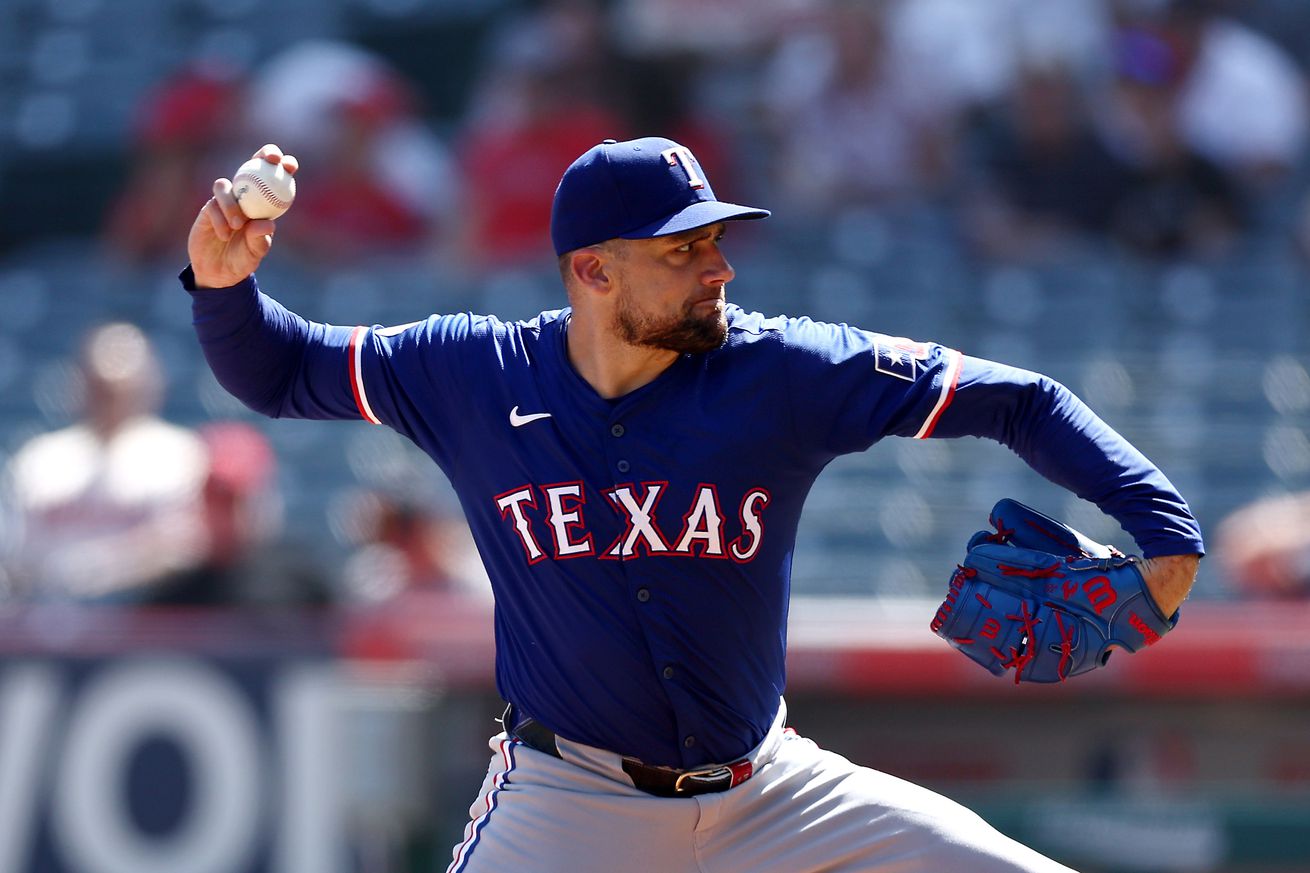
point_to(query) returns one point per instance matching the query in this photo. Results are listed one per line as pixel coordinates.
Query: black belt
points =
(659, 781)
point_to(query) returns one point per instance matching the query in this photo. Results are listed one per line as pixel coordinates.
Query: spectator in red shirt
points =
(183, 127)
(536, 111)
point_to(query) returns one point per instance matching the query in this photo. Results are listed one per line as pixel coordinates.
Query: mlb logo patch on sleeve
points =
(898, 356)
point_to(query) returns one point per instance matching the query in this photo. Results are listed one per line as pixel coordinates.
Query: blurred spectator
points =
(664, 93)
(1241, 99)
(244, 562)
(1231, 97)
(107, 505)
(1179, 202)
(1264, 547)
(584, 59)
(722, 27)
(969, 53)
(538, 106)
(850, 127)
(185, 128)
(406, 548)
(414, 572)
(374, 180)
(1047, 176)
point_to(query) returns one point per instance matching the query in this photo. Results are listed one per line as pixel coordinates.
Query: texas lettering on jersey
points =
(554, 517)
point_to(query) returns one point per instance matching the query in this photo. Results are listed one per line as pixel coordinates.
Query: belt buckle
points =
(711, 772)
(736, 773)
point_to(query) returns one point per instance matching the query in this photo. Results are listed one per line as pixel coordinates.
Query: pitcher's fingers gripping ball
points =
(263, 189)
(1037, 597)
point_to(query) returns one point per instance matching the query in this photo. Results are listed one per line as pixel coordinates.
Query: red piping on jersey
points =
(953, 371)
(356, 377)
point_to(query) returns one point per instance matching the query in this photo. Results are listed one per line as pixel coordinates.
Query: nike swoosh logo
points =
(517, 420)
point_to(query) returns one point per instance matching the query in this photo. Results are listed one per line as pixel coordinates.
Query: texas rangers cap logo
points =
(682, 156)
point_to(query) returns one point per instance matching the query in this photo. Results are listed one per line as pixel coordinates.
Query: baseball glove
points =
(1037, 597)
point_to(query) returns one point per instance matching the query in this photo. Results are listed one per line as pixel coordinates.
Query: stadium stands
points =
(1201, 363)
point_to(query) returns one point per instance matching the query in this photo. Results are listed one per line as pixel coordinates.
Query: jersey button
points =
(668, 672)
(623, 466)
(616, 430)
(643, 594)
(689, 742)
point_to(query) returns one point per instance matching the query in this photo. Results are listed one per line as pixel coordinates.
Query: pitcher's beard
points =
(687, 333)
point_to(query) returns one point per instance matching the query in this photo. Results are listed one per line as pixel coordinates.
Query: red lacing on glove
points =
(1066, 646)
(1002, 534)
(1015, 659)
(1051, 572)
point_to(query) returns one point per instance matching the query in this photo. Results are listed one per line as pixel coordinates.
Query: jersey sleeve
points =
(1061, 438)
(852, 387)
(284, 366)
(412, 377)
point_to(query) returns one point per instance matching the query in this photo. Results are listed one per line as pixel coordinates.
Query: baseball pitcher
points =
(633, 467)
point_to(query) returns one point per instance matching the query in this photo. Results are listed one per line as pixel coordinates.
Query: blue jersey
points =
(640, 548)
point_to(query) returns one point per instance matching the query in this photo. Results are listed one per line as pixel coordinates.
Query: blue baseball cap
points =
(636, 189)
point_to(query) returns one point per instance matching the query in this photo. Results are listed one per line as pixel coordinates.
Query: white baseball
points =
(262, 189)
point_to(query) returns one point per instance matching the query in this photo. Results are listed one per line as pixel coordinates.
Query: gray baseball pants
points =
(805, 810)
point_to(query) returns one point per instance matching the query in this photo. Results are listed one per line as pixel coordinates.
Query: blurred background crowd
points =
(1114, 192)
